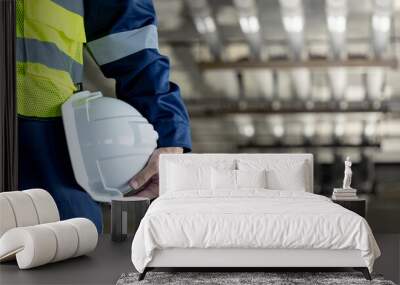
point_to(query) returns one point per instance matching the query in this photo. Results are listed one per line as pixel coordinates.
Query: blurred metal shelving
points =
(316, 63)
(206, 107)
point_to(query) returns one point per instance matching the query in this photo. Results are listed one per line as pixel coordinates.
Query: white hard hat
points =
(109, 141)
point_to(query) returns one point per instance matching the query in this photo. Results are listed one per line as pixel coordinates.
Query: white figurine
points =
(347, 174)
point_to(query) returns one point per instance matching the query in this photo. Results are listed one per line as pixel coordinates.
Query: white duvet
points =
(250, 219)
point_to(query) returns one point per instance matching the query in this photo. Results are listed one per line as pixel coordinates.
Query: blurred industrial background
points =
(318, 76)
(293, 76)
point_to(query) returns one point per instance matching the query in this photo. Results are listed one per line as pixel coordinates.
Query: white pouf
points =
(37, 245)
(32, 233)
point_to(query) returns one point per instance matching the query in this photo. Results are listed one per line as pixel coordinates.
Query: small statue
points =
(347, 174)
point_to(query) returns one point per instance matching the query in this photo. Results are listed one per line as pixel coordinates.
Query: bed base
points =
(242, 259)
(363, 270)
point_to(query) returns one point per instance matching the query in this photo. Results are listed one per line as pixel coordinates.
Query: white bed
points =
(197, 224)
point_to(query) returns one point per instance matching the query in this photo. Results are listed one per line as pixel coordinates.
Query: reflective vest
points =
(49, 54)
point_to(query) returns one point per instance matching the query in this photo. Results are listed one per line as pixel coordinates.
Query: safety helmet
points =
(109, 142)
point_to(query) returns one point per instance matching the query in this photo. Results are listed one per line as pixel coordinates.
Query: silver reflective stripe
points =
(116, 46)
(75, 6)
(31, 50)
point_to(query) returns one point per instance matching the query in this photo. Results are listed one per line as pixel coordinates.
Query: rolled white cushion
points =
(46, 208)
(26, 208)
(23, 208)
(7, 218)
(40, 244)
(67, 240)
(87, 235)
(33, 246)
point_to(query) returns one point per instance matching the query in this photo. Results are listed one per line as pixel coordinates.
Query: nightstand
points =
(356, 205)
(126, 214)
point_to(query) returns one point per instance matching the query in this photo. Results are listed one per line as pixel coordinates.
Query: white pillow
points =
(283, 174)
(183, 178)
(223, 179)
(251, 178)
(230, 180)
(292, 179)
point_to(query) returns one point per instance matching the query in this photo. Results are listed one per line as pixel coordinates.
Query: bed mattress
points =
(252, 219)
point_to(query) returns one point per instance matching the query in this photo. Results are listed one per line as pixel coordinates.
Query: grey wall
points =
(389, 262)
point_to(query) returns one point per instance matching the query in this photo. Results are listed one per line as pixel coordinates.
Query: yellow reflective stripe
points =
(56, 16)
(42, 89)
(59, 77)
(67, 32)
(39, 96)
(38, 31)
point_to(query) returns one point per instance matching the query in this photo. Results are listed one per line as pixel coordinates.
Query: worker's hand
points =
(147, 178)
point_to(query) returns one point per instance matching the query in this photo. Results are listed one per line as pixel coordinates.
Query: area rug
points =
(243, 278)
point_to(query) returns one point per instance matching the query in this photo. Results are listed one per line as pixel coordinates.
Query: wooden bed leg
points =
(364, 271)
(142, 275)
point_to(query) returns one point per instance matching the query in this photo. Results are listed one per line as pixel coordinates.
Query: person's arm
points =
(122, 38)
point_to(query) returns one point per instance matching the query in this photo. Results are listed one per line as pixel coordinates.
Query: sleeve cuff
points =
(174, 134)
